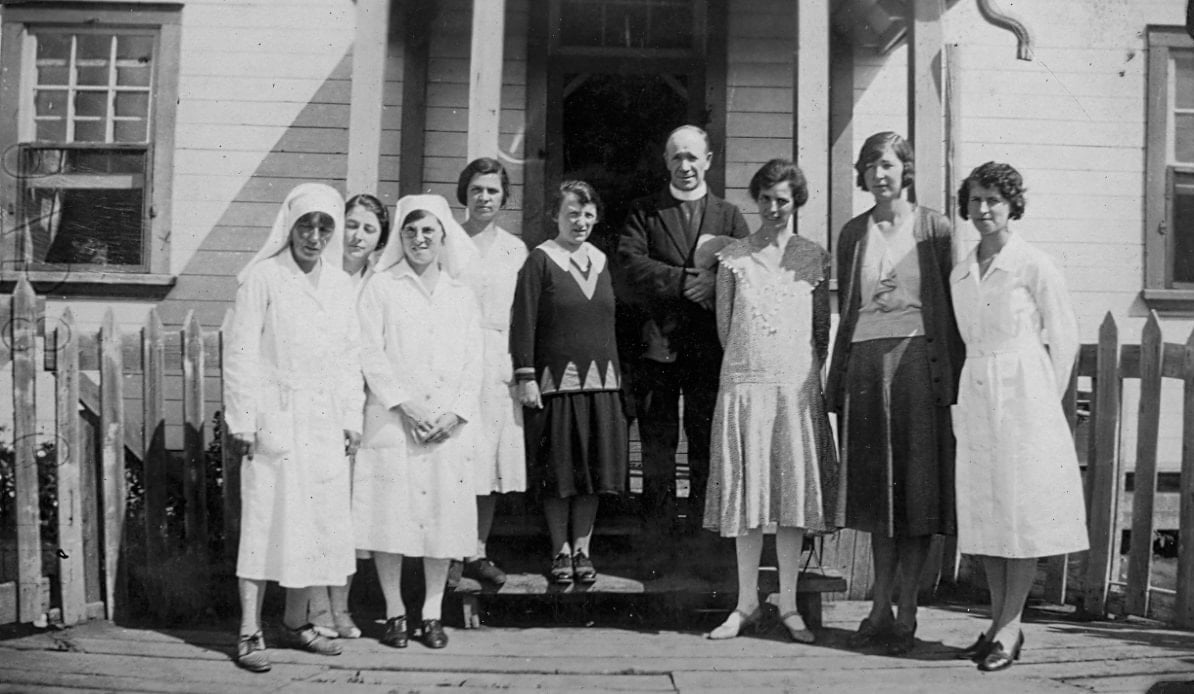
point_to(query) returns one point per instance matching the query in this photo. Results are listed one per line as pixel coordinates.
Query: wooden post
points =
(416, 55)
(23, 340)
(485, 77)
(194, 478)
(1185, 556)
(153, 425)
(811, 103)
(231, 467)
(112, 457)
(68, 453)
(367, 94)
(1152, 351)
(1104, 471)
(926, 111)
(841, 135)
(534, 203)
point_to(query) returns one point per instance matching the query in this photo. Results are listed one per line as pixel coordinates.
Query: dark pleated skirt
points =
(577, 444)
(897, 444)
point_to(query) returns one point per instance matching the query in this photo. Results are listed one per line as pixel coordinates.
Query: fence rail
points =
(105, 439)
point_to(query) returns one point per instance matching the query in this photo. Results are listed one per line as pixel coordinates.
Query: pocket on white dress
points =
(275, 432)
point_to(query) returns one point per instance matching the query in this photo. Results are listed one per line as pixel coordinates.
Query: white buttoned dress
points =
(500, 451)
(292, 377)
(1019, 491)
(409, 497)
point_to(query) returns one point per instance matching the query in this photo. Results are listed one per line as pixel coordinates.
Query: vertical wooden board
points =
(112, 435)
(1185, 555)
(1104, 470)
(1152, 348)
(153, 404)
(368, 88)
(485, 77)
(862, 567)
(23, 340)
(416, 46)
(953, 137)
(841, 133)
(231, 471)
(69, 453)
(534, 202)
(926, 126)
(194, 437)
(89, 480)
(812, 102)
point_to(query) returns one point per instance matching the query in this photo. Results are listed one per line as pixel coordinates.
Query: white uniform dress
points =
(409, 497)
(292, 375)
(500, 453)
(1019, 492)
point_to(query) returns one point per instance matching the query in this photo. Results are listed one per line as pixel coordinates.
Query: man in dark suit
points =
(682, 354)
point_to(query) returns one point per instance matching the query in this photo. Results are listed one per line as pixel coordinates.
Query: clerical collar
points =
(689, 195)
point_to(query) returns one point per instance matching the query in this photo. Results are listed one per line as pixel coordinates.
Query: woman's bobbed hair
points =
(778, 171)
(480, 167)
(873, 149)
(1001, 177)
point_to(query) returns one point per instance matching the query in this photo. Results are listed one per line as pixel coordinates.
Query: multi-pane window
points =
(86, 165)
(1169, 176)
(83, 178)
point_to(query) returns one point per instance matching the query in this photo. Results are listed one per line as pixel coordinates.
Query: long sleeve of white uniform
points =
(724, 302)
(379, 375)
(242, 354)
(468, 396)
(352, 386)
(1057, 315)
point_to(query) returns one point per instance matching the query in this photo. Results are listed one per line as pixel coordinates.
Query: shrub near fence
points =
(136, 523)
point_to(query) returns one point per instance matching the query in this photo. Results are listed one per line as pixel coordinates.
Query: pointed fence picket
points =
(101, 438)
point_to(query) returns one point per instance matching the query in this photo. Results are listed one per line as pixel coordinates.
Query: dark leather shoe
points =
(903, 639)
(433, 634)
(1000, 659)
(976, 651)
(484, 570)
(395, 636)
(868, 634)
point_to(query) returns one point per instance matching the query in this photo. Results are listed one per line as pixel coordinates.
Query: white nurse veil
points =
(303, 199)
(458, 252)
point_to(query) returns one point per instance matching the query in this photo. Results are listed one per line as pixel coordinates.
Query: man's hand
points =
(244, 444)
(699, 286)
(352, 442)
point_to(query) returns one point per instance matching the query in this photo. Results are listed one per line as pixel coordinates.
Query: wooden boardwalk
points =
(1061, 655)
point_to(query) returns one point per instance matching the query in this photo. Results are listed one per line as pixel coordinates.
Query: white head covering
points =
(304, 198)
(458, 252)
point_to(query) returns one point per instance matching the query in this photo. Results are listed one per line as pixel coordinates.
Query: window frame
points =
(164, 20)
(1160, 291)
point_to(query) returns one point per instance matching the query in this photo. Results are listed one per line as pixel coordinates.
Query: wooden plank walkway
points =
(1061, 655)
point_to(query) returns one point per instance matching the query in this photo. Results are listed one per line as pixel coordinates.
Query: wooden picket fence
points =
(101, 432)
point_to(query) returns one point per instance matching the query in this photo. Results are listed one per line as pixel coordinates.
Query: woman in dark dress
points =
(566, 364)
(894, 376)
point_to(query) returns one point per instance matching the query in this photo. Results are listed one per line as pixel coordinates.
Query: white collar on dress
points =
(689, 195)
(562, 257)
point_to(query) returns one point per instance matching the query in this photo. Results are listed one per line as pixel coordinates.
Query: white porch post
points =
(926, 105)
(366, 96)
(810, 114)
(485, 77)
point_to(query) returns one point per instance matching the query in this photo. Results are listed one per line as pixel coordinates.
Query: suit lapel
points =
(673, 224)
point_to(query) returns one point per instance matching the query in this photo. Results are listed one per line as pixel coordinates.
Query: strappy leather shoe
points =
(561, 569)
(395, 635)
(582, 569)
(902, 639)
(433, 635)
(976, 651)
(305, 638)
(731, 628)
(345, 627)
(251, 653)
(800, 635)
(1000, 659)
(868, 634)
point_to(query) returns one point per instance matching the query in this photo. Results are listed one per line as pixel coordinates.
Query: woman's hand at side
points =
(528, 395)
(244, 444)
(352, 442)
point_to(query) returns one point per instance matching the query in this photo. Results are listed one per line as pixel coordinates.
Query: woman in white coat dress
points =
(292, 403)
(1019, 492)
(421, 352)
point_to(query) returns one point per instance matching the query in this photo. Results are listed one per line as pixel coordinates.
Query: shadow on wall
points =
(314, 147)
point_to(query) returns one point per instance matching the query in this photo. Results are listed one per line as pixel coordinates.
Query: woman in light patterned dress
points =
(772, 459)
(500, 454)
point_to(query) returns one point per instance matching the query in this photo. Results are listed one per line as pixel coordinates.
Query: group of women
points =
(401, 379)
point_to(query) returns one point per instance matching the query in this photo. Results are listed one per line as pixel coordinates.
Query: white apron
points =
(292, 376)
(1019, 491)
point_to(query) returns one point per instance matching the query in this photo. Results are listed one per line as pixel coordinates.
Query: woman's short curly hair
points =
(585, 195)
(1001, 177)
(779, 171)
(874, 147)
(480, 167)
